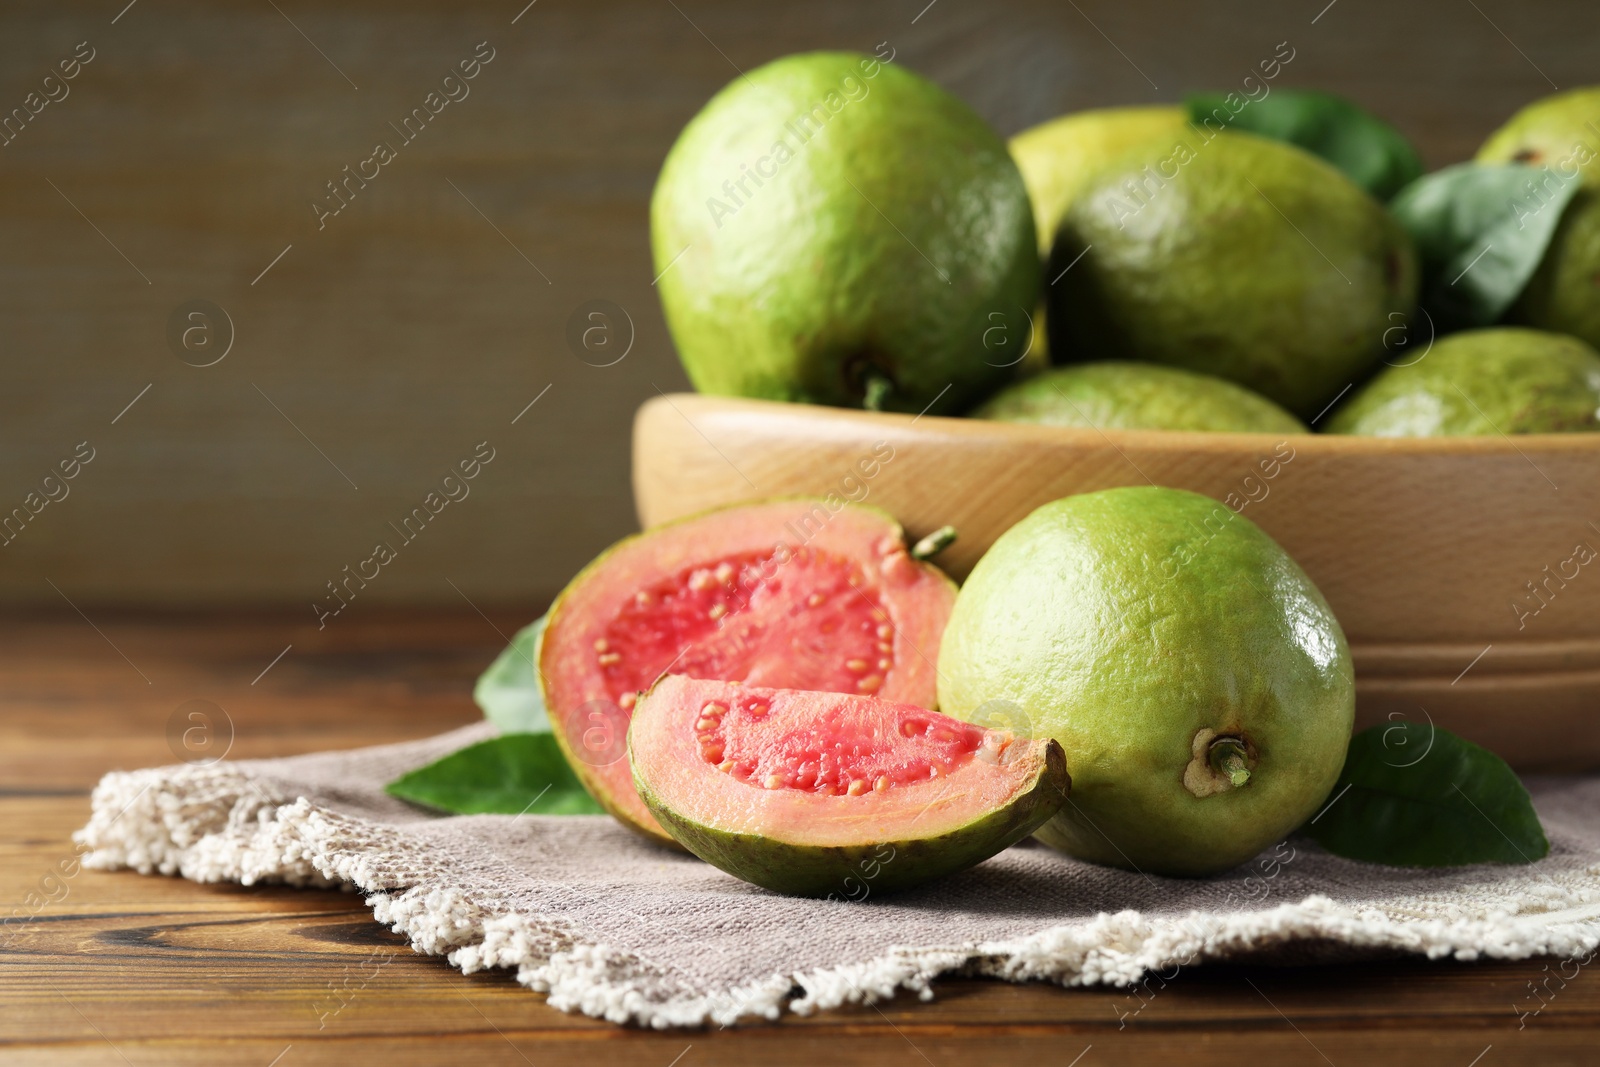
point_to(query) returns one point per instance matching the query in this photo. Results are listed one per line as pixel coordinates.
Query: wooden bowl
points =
(1464, 570)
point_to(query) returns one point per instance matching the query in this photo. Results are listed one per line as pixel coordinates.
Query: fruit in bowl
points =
(1236, 256)
(1499, 381)
(1557, 135)
(1137, 396)
(1057, 158)
(838, 230)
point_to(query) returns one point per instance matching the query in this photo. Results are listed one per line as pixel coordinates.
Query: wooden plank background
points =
(376, 352)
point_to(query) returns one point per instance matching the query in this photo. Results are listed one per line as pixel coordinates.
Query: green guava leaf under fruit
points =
(1480, 230)
(1369, 151)
(1413, 795)
(514, 774)
(508, 692)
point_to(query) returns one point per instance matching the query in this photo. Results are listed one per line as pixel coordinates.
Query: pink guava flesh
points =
(803, 791)
(812, 625)
(815, 743)
(785, 594)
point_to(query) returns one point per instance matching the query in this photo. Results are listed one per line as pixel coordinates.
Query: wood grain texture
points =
(117, 969)
(426, 315)
(1427, 550)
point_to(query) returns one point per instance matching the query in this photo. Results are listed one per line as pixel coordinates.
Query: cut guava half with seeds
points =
(828, 794)
(791, 594)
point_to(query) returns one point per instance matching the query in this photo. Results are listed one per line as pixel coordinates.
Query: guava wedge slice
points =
(829, 794)
(796, 594)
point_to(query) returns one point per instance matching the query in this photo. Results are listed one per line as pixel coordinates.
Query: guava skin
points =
(1057, 158)
(1251, 260)
(889, 866)
(1137, 396)
(895, 242)
(925, 817)
(1124, 624)
(1507, 380)
(893, 866)
(1564, 292)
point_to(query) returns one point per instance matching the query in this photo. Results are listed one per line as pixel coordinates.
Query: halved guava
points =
(828, 794)
(793, 594)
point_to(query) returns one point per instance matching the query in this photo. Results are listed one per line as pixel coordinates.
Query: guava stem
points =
(878, 388)
(934, 543)
(1228, 757)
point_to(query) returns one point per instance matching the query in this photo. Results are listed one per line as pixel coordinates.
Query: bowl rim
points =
(1500, 444)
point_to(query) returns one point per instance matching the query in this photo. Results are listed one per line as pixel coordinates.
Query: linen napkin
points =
(614, 926)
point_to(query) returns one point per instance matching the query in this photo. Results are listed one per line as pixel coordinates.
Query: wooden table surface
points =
(123, 969)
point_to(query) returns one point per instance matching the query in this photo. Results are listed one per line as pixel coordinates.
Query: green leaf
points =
(508, 692)
(1413, 795)
(513, 774)
(1480, 230)
(1369, 151)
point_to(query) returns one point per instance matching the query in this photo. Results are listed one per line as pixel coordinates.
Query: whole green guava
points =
(1559, 132)
(1137, 396)
(838, 230)
(1057, 158)
(1196, 679)
(1235, 256)
(1505, 380)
